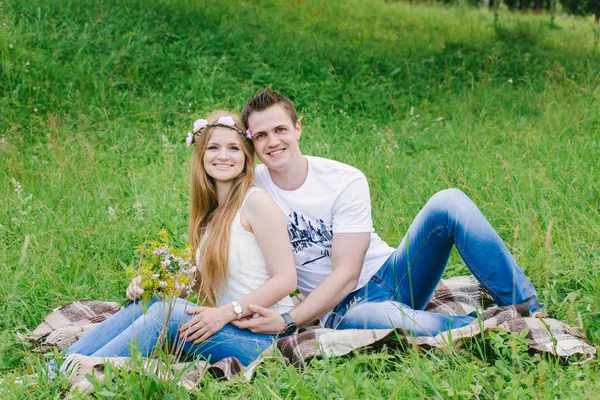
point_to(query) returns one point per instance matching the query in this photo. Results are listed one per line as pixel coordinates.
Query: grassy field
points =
(96, 99)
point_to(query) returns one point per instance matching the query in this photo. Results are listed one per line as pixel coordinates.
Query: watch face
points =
(291, 328)
(290, 324)
(238, 309)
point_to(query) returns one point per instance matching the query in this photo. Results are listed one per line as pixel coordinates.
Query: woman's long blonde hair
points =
(206, 215)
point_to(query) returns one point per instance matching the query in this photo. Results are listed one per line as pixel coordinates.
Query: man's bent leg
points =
(451, 218)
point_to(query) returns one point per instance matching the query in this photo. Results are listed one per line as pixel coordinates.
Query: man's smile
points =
(276, 152)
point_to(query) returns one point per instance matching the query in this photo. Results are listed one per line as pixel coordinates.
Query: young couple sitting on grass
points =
(301, 222)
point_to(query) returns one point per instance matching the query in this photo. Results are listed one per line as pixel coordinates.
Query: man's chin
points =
(274, 166)
(271, 163)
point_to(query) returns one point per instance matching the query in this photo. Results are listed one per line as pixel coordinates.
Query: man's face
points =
(275, 138)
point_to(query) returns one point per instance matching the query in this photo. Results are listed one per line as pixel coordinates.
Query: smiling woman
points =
(224, 159)
(243, 256)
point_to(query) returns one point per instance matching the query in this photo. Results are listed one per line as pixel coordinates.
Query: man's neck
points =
(292, 178)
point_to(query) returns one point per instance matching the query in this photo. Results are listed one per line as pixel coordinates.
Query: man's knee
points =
(448, 196)
(449, 199)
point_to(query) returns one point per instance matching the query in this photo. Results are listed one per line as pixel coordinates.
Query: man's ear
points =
(298, 129)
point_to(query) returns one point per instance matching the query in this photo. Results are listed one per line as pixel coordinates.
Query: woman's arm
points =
(263, 217)
(265, 220)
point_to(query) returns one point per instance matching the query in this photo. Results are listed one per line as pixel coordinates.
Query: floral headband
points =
(226, 122)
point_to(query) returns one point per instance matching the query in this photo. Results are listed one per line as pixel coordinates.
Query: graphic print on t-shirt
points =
(304, 234)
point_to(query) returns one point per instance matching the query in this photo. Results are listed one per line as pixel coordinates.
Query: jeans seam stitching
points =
(382, 283)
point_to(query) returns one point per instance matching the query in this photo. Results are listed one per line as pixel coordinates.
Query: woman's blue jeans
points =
(397, 294)
(132, 328)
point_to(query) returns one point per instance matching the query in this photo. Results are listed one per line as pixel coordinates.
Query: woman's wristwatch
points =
(290, 324)
(237, 309)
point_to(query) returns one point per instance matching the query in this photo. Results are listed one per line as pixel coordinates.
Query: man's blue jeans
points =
(132, 327)
(397, 294)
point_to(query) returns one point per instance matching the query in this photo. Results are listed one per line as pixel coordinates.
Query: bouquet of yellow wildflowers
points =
(166, 271)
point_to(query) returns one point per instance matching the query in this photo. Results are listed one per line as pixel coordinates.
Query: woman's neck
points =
(222, 189)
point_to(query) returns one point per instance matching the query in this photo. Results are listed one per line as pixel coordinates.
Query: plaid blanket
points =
(455, 296)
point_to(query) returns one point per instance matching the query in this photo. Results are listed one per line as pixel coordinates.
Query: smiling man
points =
(350, 277)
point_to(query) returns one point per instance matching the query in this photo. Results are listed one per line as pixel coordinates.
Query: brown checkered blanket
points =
(455, 296)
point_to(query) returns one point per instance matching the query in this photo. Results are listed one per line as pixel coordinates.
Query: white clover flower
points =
(166, 142)
(226, 121)
(138, 208)
(112, 213)
(155, 276)
(162, 284)
(166, 263)
(17, 185)
(509, 81)
(412, 111)
(194, 269)
(190, 139)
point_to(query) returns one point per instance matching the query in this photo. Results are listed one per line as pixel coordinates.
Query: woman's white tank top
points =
(247, 269)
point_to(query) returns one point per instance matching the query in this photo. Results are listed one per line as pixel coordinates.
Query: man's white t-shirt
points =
(333, 199)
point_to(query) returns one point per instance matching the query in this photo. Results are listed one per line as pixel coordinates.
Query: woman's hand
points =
(205, 323)
(134, 291)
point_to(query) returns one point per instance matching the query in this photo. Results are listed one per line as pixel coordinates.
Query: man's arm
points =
(348, 252)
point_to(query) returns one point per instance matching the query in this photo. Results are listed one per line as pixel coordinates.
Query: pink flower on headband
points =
(226, 121)
(249, 133)
(199, 124)
(190, 139)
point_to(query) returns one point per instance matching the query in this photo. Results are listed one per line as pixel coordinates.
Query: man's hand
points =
(204, 324)
(264, 320)
(134, 291)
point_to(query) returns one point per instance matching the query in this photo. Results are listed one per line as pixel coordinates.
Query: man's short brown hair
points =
(267, 98)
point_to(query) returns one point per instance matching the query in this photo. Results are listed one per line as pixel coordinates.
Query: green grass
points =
(96, 98)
